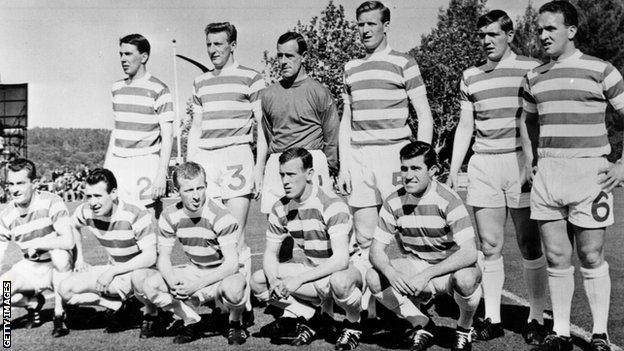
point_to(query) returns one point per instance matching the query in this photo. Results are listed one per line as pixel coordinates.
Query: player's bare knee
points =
(465, 281)
(341, 283)
(491, 248)
(590, 257)
(61, 260)
(151, 287)
(64, 290)
(558, 257)
(373, 281)
(258, 281)
(138, 278)
(233, 289)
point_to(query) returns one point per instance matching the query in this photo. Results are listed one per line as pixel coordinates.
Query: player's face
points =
(100, 201)
(219, 49)
(295, 178)
(21, 188)
(192, 192)
(372, 30)
(131, 59)
(555, 36)
(289, 59)
(495, 41)
(416, 175)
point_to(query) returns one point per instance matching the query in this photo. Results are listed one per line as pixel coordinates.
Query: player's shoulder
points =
(446, 192)
(157, 84)
(248, 72)
(217, 207)
(203, 77)
(473, 71)
(171, 209)
(43, 195)
(531, 62)
(595, 64)
(395, 199)
(134, 208)
(328, 198)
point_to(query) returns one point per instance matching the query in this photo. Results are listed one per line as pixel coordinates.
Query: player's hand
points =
(186, 287)
(452, 180)
(104, 281)
(159, 185)
(418, 282)
(275, 289)
(343, 185)
(80, 265)
(289, 286)
(611, 176)
(258, 176)
(399, 282)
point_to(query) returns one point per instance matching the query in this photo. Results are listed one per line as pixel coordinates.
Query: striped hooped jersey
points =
(312, 223)
(44, 210)
(569, 97)
(202, 235)
(124, 234)
(226, 103)
(431, 227)
(140, 107)
(378, 88)
(493, 94)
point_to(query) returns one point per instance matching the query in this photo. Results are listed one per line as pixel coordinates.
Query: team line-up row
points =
(540, 147)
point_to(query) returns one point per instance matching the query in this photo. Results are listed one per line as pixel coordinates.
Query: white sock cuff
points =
(565, 272)
(355, 294)
(494, 266)
(592, 273)
(536, 263)
(263, 296)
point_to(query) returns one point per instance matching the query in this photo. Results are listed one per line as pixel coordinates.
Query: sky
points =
(68, 52)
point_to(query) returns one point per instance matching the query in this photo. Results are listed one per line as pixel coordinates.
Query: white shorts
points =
(121, 285)
(494, 180)
(36, 276)
(375, 173)
(210, 292)
(568, 188)
(272, 187)
(229, 170)
(321, 286)
(135, 176)
(437, 286)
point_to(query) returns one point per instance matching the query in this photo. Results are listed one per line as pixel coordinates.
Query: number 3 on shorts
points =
(600, 210)
(237, 174)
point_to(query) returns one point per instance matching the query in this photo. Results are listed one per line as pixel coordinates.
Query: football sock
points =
(561, 284)
(402, 307)
(467, 307)
(597, 283)
(352, 305)
(536, 278)
(492, 282)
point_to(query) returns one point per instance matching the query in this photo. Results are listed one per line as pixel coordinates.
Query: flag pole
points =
(178, 129)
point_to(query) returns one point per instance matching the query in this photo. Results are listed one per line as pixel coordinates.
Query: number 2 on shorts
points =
(596, 204)
(237, 174)
(144, 184)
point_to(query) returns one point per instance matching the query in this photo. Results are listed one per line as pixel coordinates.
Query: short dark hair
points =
(297, 152)
(499, 16)
(225, 27)
(137, 40)
(288, 36)
(19, 164)
(570, 15)
(419, 148)
(102, 175)
(371, 6)
(187, 170)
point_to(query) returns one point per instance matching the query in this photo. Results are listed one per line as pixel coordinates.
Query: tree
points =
(332, 41)
(526, 39)
(450, 48)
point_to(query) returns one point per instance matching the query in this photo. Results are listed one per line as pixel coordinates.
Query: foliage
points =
(60, 148)
(526, 39)
(450, 48)
(332, 41)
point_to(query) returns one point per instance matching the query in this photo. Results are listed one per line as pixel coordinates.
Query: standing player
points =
(39, 223)
(140, 145)
(320, 224)
(377, 92)
(298, 112)
(434, 230)
(490, 98)
(208, 234)
(225, 102)
(564, 106)
(126, 232)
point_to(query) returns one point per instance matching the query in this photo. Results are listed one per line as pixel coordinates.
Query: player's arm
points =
(5, 236)
(613, 90)
(344, 151)
(417, 93)
(228, 267)
(160, 181)
(262, 147)
(463, 133)
(275, 235)
(80, 264)
(331, 126)
(461, 142)
(194, 134)
(384, 235)
(109, 150)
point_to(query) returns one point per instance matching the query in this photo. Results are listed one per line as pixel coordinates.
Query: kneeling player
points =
(208, 233)
(321, 225)
(435, 232)
(126, 231)
(39, 223)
